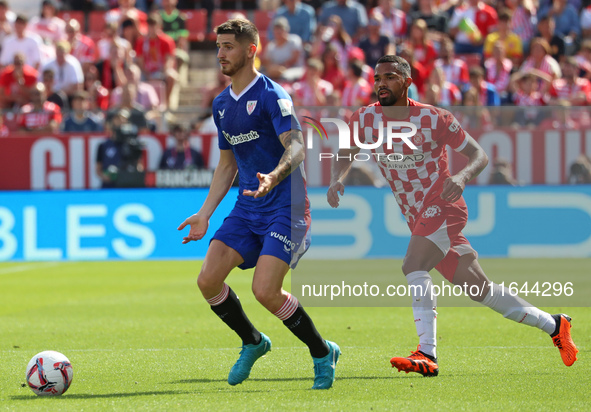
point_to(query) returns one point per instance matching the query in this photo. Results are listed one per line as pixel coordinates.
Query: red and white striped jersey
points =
(455, 72)
(563, 90)
(450, 94)
(522, 24)
(533, 99)
(84, 49)
(356, 94)
(33, 120)
(394, 25)
(500, 78)
(415, 176)
(548, 66)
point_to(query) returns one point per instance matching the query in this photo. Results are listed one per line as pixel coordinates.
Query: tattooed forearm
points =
(294, 153)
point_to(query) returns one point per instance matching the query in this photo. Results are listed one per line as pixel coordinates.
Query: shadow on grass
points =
(311, 378)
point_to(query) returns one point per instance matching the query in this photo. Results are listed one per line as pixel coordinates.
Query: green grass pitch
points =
(140, 337)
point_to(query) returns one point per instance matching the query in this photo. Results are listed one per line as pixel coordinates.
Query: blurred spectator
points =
(173, 25)
(394, 22)
(47, 25)
(540, 59)
(69, 77)
(57, 97)
(155, 55)
(375, 44)
(334, 34)
(4, 130)
(7, 19)
(432, 95)
(511, 41)
(435, 20)
(111, 37)
(111, 69)
(583, 59)
(98, 95)
(565, 117)
(80, 119)
(312, 90)
(82, 47)
(570, 87)
(128, 11)
(566, 16)
(473, 116)
(146, 97)
(487, 92)
(469, 25)
(181, 155)
(449, 93)
(356, 54)
(284, 53)
(357, 91)
(28, 44)
(130, 31)
(15, 81)
(456, 70)
(523, 21)
(580, 171)
(210, 92)
(555, 40)
(39, 115)
(529, 96)
(136, 113)
(301, 18)
(332, 68)
(502, 173)
(498, 69)
(585, 22)
(424, 51)
(417, 70)
(351, 13)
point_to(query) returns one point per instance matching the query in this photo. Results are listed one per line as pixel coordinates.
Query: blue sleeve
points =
(493, 97)
(362, 16)
(575, 25)
(312, 29)
(222, 142)
(279, 108)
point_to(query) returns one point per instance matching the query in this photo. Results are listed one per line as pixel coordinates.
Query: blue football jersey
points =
(249, 124)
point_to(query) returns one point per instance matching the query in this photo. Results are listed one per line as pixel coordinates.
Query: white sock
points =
(423, 309)
(515, 308)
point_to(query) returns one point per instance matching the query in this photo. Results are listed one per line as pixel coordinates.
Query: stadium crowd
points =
(77, 64)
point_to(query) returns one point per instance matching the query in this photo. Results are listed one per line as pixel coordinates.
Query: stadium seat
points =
(262, 19)
(72, 14)
(96, 24)
(196, 23)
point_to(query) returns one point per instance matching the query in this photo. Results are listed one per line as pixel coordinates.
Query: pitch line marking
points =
(27, 267)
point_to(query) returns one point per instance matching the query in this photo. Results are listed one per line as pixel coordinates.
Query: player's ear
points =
(252, 49)
(408, 82)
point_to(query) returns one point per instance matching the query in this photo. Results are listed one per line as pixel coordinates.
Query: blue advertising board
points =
(534, 221)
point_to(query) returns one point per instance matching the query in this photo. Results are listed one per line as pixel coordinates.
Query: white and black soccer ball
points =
(49, 373)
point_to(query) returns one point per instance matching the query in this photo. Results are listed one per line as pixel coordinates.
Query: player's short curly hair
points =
(400, 64)
(244, 30)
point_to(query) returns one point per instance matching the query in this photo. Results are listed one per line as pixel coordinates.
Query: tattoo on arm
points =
(294, 153)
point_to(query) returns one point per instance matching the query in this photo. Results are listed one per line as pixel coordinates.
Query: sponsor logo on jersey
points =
(285, 105)
(241, 138)
(454, 126)
(398, 161)
(250, 105)
(432, 211)
(221, 112)
(288, 245)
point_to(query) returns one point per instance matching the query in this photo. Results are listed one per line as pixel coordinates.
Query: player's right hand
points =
(333, 193)
(199, 225)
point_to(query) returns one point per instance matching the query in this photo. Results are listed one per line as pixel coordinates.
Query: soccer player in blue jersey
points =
(269, 226)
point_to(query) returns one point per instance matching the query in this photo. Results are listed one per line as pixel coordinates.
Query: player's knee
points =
(412, 264)
(207, 284)
(266, 296)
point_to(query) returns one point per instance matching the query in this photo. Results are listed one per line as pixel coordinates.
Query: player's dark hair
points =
(244, 30)
(400, 65)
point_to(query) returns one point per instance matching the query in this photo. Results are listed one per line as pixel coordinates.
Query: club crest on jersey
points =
(418, 139)
(454, 126)
(250, 105)
(432, 211)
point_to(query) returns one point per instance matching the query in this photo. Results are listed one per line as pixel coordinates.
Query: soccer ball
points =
(49, 373)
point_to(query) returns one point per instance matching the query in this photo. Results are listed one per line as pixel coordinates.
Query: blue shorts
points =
(253, 234)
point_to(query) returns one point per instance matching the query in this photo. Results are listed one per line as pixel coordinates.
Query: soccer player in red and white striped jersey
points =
(431, 200)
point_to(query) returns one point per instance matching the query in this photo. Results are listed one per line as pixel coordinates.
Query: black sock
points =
(302, 326)
(230, 311)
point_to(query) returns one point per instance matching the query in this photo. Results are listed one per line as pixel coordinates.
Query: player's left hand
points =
(266, 183)
(453, 187)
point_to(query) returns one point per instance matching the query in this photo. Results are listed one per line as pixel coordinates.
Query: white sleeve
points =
(586, 19)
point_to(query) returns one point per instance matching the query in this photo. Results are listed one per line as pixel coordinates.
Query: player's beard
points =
(232, 68)
(391, 99)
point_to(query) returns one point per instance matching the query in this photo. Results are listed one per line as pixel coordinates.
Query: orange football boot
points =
(417, 362)
(563, 341)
